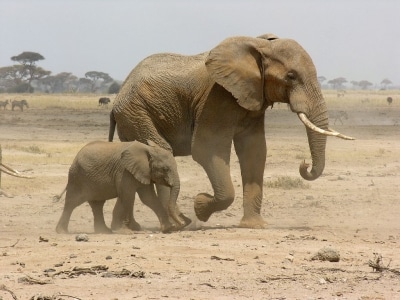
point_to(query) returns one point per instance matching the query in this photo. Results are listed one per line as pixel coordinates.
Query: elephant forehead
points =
(291, 52)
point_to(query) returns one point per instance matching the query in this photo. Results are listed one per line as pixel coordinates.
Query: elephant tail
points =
(57, 198)
(113, 123)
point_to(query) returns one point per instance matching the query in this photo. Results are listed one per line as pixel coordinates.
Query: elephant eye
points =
(291, 75)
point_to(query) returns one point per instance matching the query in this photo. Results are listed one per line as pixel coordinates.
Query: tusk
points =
(4, 170)
(310, 125)
(342, 136)
(329, 132)
(9, 168)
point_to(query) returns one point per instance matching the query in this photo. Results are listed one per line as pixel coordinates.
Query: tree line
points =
(27, 77)
(338, 83)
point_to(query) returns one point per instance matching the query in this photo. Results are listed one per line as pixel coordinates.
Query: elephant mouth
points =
(329, 132)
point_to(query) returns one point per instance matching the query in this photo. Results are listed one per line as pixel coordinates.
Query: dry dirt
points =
(353, 208)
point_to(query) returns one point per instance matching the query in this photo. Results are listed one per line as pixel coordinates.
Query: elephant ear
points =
(268, 36)
(237, 65)
(135, 159)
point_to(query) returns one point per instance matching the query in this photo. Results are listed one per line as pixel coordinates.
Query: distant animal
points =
(340, 93)
(389, 100)
(3, 104)
(20, 104)
(338, 115)
(104, 101)
(365, 100)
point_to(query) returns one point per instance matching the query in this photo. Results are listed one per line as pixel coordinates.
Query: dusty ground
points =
(353, 208)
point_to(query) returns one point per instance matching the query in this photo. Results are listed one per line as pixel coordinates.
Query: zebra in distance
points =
(20, 104)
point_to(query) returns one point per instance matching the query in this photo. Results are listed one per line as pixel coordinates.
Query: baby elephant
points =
(104, 170)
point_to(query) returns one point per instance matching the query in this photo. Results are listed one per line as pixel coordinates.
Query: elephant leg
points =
(62, 226)
(99, 223)
(163, 193)
(149, 197)
(251, 149)
(218, 171)
(72, 200)
(123, 212)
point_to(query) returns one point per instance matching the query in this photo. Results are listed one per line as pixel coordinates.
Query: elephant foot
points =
(185, 219)
(61, 229)
(134, 226)
(131, 225)
(205, 205)
(102, 229)
(255, 222)
(167, 228)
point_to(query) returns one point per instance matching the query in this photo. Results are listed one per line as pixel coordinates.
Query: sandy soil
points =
(353, 208)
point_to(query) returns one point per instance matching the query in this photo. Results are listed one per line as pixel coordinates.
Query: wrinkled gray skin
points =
(103, 171)
(200, 104)
(20, 104)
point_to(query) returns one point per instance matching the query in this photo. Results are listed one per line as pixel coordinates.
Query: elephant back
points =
(159, 75)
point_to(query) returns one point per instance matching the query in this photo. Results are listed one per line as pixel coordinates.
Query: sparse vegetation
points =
(287, 183)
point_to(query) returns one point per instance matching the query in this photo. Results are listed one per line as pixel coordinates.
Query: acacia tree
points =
(385, 82)
(95, 76)
(28, 61)
(58, 83)
(364, 84)
(321, 79)
(12, 75)
(354, 83)
(337, 83)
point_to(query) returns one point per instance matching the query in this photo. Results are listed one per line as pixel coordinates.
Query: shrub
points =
(21, 88)
(287, 183)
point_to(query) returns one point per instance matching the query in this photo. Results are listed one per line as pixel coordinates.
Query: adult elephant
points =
(199, 104)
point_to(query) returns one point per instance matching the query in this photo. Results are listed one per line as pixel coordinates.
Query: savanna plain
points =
(352, 209)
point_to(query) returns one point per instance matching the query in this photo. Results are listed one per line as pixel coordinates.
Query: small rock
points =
(82, 238)
(289, 258)
(109, 257)
(49, 270)
(327, 254)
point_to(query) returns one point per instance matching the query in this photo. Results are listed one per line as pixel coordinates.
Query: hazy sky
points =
(355, 39)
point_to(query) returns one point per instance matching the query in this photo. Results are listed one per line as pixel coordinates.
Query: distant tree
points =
(364, 84)
(337, 83)
(23, 87)
(12, 75)
(57, 83)
(114, 88)
(84, 85)
(385, 82)
(354, 83)
(28, 61)
(321, 79)
(95, 76)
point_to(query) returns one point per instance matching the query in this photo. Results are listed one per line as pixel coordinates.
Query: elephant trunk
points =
(317, 143)
(173, 210)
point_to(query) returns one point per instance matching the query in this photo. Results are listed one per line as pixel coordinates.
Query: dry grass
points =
(351, 99)
(287, 183)
(41, 153)
(361, 99)
(42, 101)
